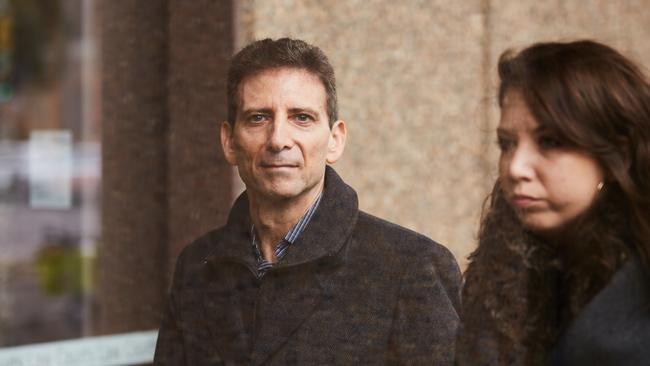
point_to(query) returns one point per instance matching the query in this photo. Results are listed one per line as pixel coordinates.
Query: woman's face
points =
(547, 184)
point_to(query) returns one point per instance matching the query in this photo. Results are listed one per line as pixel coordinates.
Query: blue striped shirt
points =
(281, 248)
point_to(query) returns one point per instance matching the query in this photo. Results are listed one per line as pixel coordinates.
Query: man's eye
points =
(301, 117)
(256, 118)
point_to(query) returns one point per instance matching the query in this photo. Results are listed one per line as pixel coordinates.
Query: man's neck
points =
(274, 218)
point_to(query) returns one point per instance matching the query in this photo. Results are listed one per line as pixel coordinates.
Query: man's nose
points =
(280, 134)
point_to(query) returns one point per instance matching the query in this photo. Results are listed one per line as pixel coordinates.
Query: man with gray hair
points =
(299, 275)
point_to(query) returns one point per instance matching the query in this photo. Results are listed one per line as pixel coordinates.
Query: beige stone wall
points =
(416, 84)
(624, 25)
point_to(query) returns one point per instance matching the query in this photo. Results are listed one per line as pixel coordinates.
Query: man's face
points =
(281, 140)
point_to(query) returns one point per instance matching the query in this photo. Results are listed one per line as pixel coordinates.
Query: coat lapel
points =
(231, 287)
(286, 301)
(226, 301)
(293, 290)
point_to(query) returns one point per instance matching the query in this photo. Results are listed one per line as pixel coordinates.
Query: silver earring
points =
(600, 186)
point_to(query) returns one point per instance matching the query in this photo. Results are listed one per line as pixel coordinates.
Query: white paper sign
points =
(50, 169)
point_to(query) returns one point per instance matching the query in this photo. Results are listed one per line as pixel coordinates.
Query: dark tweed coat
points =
(352, 290)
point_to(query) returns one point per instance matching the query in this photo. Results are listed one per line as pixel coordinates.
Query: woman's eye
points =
(549, 142)
(504, 143)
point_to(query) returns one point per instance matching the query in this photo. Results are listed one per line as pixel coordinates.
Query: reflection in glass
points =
(49, 169)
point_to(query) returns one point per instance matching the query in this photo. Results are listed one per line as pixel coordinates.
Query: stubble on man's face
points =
(280, 139)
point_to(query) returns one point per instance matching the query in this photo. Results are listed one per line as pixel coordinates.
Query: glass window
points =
(49, 169)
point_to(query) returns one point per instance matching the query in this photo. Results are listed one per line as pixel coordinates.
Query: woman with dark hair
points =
(561, 274)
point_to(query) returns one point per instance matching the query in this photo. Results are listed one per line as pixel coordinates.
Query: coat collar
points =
(323, 237)
(289, 299)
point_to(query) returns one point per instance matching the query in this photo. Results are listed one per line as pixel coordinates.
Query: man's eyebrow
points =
(256, 110)
(303, 110)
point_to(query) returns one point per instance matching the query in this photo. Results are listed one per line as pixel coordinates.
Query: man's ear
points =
(227, 143)
(336, 143)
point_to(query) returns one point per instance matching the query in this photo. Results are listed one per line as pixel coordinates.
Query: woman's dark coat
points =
(352, 290)
(614, 328)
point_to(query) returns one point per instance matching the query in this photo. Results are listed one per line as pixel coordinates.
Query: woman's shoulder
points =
(614, 327)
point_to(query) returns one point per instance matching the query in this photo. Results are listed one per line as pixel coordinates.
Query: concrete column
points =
(199, 180)
(165, 181)
(132, 255)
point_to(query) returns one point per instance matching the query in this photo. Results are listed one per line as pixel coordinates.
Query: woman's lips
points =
(523, 201)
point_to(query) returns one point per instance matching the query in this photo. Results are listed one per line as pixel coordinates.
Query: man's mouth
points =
(278, 165)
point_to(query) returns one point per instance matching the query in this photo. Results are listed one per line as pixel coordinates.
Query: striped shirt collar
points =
(281, 248)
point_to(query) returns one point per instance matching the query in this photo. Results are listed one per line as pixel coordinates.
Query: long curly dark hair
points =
(522, 291)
